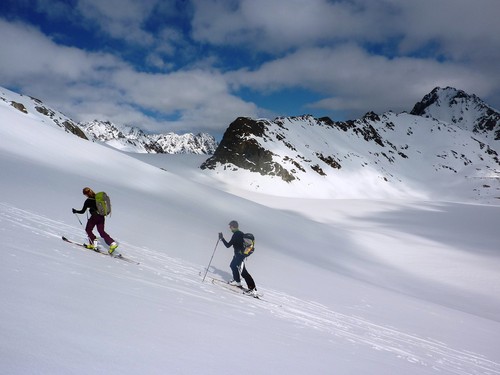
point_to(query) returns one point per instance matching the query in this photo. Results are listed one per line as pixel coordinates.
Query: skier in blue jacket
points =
(238, 262)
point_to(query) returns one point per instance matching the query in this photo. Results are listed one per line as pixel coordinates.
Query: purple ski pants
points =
(97, 220)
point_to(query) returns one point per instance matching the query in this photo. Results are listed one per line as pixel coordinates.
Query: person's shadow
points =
(216, 272)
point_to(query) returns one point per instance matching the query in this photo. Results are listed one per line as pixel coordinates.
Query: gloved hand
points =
(73, 210)
(221, 236)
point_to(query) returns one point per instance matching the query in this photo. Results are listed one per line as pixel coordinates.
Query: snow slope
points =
(350, 286)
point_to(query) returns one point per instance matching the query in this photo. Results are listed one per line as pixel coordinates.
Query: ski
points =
(234, 288)
(240, 291)
(82, 245)
(117, 256)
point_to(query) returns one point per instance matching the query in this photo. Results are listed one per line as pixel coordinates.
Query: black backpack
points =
(248, 244)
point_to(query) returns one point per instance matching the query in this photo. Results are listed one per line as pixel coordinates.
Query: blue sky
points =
(196, 65)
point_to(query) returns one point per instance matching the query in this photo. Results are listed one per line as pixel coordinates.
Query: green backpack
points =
(103, 203)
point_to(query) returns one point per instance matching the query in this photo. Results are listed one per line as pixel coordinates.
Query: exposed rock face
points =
(248, 144)
(28, 104)
(239, 147)
(19, 107)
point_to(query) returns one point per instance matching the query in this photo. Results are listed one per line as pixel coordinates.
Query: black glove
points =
(73, 210)
(221, 236)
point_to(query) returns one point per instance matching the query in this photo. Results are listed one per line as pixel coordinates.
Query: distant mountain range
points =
(135, 140)
(450, 138)
(122, 137)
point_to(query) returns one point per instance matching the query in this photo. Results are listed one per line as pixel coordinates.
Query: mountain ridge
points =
(133, 139)
(374, 150)
(121, 137)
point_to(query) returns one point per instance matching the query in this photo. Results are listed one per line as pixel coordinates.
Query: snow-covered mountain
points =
(122, 137)
(397, 153)
(465, 111)
(132, 139)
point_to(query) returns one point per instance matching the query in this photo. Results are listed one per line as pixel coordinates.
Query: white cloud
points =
(463, 28)
(96, 85)
(360, 54)
(28, 54)
(272, 25)
(121, 19)
(356, 81)
(196, 94)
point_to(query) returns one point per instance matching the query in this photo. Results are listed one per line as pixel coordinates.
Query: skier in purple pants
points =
(95, 220)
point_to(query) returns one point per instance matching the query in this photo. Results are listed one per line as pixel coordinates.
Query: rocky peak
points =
(467, 111)
(239, 148)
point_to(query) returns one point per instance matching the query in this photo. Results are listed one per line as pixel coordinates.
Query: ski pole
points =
(79, 220)
(209, 263)
(78, 217)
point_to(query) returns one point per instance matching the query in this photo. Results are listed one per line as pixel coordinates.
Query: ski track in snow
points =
(183, 277)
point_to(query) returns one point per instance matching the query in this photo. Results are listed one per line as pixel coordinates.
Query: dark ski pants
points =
(97, 220)
(235, 265)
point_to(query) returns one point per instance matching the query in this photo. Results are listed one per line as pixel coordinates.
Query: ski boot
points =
(92, 245)
(235, 283)
(112, 248)
(252, 292)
